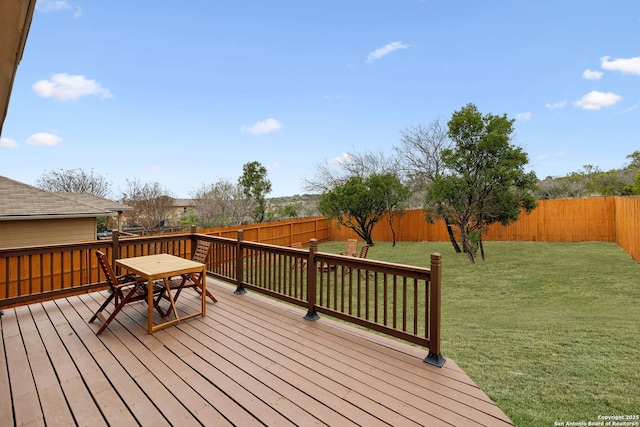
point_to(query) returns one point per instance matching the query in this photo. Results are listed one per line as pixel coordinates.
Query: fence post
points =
(312, 275)
(239, 265)
(435, 357)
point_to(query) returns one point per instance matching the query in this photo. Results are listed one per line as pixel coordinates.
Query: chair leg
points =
(208, 294)
(102, 307)
(115, 311)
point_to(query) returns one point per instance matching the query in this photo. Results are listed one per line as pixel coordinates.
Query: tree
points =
(349, 165)
(376, 168)
(420, 160)
(419, 153)
(255, 186)
(393, 195)
(219, 204)
(359, 203)
(74, 181)
(152, 204)
(485, 182)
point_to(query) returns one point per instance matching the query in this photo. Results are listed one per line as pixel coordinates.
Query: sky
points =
(185, 93)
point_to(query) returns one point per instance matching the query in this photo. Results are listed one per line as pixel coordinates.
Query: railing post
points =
(312, 275)
(115, 246)
(239, 265)
(193, 241)
(435, 357)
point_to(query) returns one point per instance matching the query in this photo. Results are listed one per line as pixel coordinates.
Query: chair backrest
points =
(352, 247)
(201, 252)
(106, 268)
(363, 251)
(296, 245)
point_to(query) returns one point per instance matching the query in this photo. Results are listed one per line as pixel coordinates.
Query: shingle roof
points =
(23, 201)
(96, 202)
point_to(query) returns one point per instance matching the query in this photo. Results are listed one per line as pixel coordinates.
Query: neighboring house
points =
(180, 209)
(30, 216)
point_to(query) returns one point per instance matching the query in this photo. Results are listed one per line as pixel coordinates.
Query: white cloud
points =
(344, 158)
(626, 66)
(44, 139)
(47, 6)
(384, 51)
(265, 126)
(67, 87)
(556, 105)
(595, 100)
(8, 143)
(592, 75)
(524, 116)
(52, 5)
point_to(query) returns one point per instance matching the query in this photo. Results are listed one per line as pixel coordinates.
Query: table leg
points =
(150, 305)
(204, 291)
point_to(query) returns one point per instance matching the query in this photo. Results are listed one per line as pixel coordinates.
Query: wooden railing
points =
(399, 300)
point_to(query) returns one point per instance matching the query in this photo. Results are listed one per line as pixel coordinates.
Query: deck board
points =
(250, 362)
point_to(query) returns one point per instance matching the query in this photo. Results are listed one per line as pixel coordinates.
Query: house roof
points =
(96, 201)
(15, 20)
(23, 201)
(179, 203)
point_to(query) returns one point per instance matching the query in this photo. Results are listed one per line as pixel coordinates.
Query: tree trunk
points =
(481, 248)
(452, 238)
(393, 232)
(467, 248)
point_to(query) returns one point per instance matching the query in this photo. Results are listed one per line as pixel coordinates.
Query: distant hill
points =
(306, 205)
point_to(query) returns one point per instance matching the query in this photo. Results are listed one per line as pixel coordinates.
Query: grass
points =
(550, 331)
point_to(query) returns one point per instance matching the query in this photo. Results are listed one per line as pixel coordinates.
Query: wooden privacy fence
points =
(607, 219)
(402, 301)
(281, 233)
(627, 225)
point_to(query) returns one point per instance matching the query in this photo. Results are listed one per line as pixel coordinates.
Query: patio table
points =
(162, 267)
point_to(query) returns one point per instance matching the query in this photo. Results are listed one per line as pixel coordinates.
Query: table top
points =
(160, 265)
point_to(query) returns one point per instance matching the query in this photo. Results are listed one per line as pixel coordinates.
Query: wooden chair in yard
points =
(352, 248)
(298, 262)
(191, 280)
(125, 289)
(363, 254)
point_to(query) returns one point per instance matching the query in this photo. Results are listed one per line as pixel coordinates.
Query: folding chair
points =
(302, 262)
(191, 280)
(363, 254)
(352, 248)
(125, 289)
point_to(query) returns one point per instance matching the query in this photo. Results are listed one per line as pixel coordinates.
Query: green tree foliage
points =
(256, 186)
(591, 181)
(360, 202)
(485, 181)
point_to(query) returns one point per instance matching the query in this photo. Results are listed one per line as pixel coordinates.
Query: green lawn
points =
(550, 331)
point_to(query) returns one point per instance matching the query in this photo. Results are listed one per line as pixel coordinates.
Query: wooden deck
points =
(249, 362)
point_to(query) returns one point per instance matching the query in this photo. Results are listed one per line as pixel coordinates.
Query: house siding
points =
(46, 232)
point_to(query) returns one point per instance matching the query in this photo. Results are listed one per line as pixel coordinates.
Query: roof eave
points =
(19, 14)
(53, 216)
